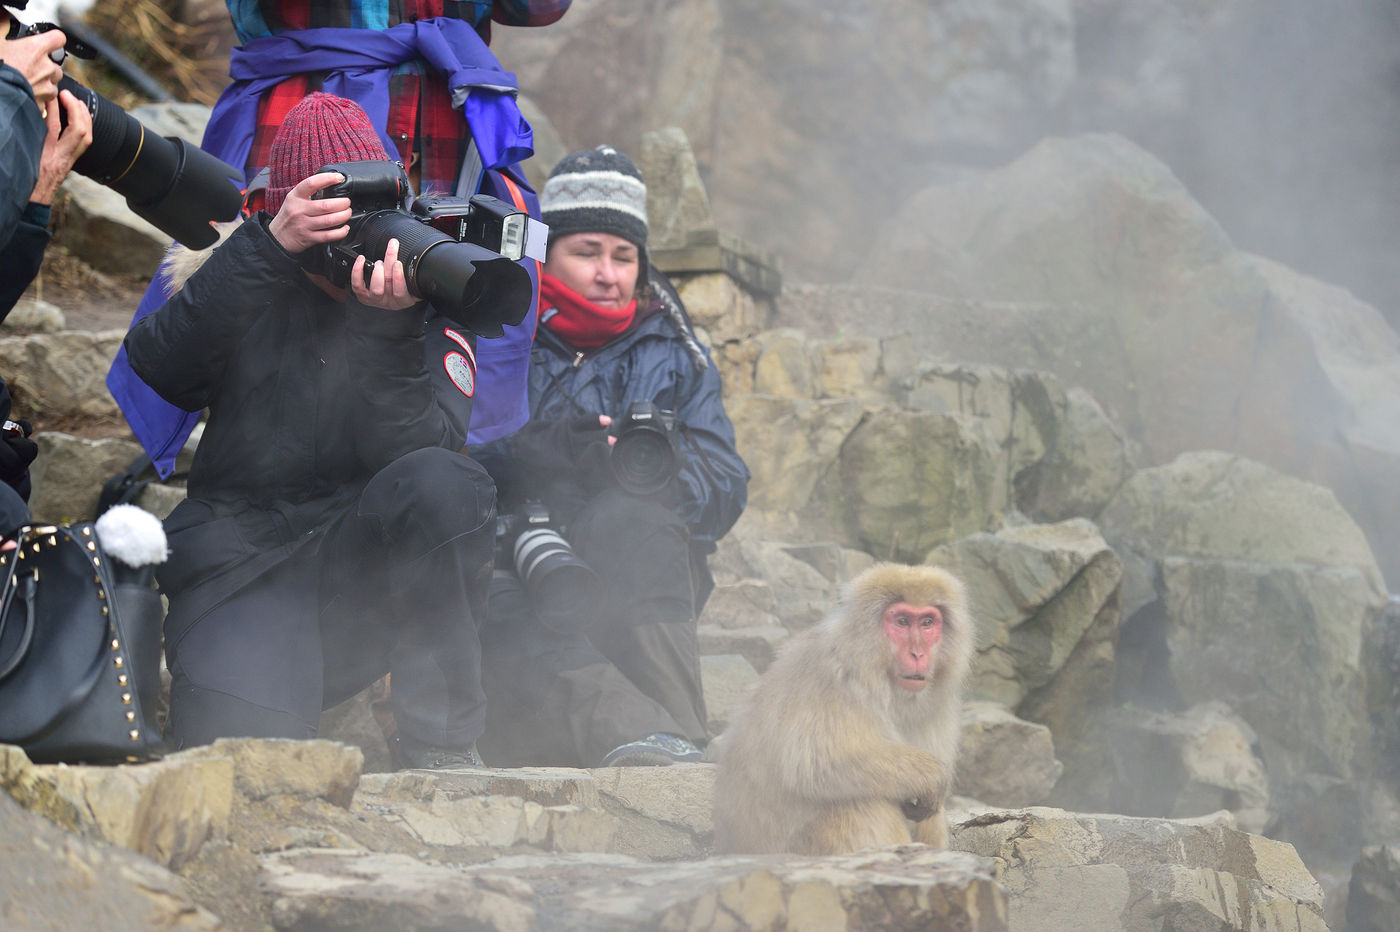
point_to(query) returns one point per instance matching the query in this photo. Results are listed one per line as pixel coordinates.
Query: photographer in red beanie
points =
(335, 530)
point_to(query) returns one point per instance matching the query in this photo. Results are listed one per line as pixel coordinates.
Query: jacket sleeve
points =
(713, 481)
(182, 348)
(417, 381)
(20, 261)
(22, 132)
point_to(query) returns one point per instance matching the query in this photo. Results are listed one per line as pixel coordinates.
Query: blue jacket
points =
(657, 359)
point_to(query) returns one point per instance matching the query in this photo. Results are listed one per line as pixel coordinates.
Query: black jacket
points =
(308, 398)
(22, 132)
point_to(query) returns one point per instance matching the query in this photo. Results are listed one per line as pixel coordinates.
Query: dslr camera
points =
(558, 583)
(173, 185)
(459, 254)
(646, 456)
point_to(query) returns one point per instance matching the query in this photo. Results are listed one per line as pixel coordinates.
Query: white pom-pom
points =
(132, 535)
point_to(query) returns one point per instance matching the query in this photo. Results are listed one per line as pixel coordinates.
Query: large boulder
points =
(1251, 587)
(1046, 602)
(1065, 872)
(1086, 257)
(777, 101)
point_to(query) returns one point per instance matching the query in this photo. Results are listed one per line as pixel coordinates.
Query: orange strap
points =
(519, 199)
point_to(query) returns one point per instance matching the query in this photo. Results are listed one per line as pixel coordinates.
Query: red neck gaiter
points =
(580, 322)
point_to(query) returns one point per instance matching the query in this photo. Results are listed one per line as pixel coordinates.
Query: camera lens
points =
(467, 283)
(643, 459)
(177, 187)
(560, 585)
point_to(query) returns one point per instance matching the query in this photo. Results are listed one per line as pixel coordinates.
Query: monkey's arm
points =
(832, 752)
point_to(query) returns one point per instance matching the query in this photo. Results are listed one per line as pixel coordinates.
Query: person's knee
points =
(624, 520)
(440, 493)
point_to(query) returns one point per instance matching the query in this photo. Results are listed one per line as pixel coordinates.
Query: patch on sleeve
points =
(461, 371)
(461, 341)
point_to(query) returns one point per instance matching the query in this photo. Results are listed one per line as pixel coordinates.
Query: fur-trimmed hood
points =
(181, 262)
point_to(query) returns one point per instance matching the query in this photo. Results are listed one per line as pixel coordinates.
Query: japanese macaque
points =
(848, 741)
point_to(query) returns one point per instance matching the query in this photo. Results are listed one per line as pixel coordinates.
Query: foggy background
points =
(813, 120)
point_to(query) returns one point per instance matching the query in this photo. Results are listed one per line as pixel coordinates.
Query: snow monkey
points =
(848, 741)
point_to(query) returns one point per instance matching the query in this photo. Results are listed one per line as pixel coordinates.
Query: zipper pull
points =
(578, 360)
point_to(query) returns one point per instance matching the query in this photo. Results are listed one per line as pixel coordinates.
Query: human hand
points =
(387, 287)
(30, 57)
(63, 146)
(17, 451)
(303, 222)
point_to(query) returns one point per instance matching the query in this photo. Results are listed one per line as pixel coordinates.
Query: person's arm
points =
(416, 385)
(712, 482)
(62, 147)
(181, 349)
(21, 142)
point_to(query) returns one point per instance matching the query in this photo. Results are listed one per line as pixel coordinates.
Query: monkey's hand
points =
(916, 810)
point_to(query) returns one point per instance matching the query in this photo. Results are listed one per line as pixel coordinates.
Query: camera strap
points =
(469, 178)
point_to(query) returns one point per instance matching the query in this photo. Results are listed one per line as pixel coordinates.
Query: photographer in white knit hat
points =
(613, 495)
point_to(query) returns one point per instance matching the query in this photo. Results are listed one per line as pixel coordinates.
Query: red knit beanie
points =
(321, 129)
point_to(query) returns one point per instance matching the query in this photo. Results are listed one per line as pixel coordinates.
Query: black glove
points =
(16, 453)
(575, 448)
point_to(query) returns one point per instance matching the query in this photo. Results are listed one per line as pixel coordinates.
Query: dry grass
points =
(185, 46)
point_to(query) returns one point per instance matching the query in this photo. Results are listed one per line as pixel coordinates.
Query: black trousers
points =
(565, 696)
(396, 584)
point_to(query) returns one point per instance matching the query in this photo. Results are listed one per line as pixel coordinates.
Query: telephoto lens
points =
(644, 458)
(173, 185)
(561, 587)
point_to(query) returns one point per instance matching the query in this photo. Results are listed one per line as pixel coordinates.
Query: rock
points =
(745, 603)
(52, 879)
(909, 887)
(727, 679)
(68, 473)
(676, 200)
(165, 810)
(661, 813)
(1214, 505)
(1064, 872)
(757, 645)
(1003, 760)
(1373, 899)
(1194, 763)
(100, 229)
(266, 767)
(1046, 600)
(907, 481)
(31, 315)
(61, 375)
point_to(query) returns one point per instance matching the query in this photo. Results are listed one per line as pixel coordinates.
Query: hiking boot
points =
(415, 755)
(656, 750)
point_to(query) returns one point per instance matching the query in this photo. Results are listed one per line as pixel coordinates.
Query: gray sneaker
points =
(656, 750)
(415, 755)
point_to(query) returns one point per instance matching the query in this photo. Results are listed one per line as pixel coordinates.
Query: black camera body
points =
(176, 187)
(646, 456)
(561, 587)
(458, 254)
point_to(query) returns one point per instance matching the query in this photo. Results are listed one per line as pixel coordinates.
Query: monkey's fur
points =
(828, 754)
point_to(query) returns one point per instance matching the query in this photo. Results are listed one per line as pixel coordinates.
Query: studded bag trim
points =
(79, 650)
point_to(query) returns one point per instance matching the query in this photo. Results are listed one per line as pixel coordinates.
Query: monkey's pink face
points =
(915, 631)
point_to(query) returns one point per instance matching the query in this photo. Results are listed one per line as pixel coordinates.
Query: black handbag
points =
(79, 650)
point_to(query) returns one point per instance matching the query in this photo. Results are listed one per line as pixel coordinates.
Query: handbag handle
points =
(24, 588)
